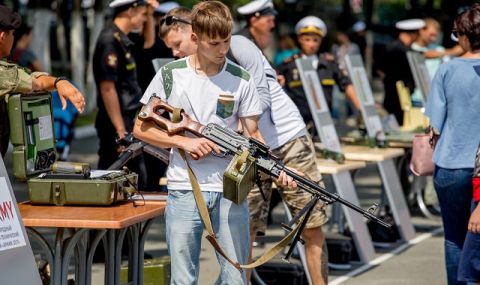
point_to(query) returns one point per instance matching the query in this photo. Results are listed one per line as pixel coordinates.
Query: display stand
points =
(17, 263)
(385, 164)
(420, 72)
(340, 172)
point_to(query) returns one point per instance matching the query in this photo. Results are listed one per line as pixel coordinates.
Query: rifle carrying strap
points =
(202, 208)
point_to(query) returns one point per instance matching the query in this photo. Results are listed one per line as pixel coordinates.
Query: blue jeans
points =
(454, 191)
(184, 235)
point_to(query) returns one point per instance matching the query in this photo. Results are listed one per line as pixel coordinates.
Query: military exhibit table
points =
(383, 157)
(328, 166)
(80, 229)
(371, 154)
(401, 140)
(345, 188)
(418, 185)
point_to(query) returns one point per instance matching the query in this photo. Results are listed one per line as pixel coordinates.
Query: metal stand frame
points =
(396, 199)
(79, 241)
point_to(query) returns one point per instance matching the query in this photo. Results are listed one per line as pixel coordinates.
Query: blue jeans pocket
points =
(444, 178)
(179, 198)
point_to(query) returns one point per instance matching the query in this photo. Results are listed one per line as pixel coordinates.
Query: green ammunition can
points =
(239, 177)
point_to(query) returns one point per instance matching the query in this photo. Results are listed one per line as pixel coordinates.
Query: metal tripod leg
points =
(300, 247)
(396, 199)
(360, 234)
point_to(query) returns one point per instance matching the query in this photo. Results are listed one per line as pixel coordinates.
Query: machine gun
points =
(134, 148)
(330, 154)
(233, 143)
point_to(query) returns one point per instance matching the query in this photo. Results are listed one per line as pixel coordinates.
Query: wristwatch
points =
(58, 79)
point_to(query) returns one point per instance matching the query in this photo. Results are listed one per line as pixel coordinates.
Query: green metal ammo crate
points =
(156, 271)
(239, 177)
(32, 136)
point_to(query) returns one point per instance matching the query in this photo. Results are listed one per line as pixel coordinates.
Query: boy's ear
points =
(194, 38)
(252, 20)
(130, 12)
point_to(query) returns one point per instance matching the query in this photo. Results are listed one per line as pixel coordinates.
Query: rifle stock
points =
(232, 143)
(156, 107)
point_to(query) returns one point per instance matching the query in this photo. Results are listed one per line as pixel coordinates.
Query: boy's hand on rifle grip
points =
(199, 147)
(285, 180)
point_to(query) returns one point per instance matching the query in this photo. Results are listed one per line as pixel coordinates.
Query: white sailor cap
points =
(165, 7)
(311, 24)
(410, 25)
(359, 26)
(258, 8)
(126, 3)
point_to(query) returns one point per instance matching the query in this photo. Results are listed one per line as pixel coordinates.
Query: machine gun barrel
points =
(315, 189)
(271, 165)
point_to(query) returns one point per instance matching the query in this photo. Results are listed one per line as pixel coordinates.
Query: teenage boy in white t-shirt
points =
(210, 89)
(283, 129)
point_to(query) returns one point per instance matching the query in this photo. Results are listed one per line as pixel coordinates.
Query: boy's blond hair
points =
(431, 22)
(179, 12)
(212, 19)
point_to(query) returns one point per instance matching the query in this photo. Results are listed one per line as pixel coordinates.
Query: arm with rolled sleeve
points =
(14, 79)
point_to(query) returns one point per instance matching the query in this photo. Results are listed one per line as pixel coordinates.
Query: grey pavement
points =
(420, 263)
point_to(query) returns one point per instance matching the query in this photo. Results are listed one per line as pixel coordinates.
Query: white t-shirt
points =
(220, 99)
(281, 122)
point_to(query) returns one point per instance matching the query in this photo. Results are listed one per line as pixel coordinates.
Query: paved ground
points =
(420, 263)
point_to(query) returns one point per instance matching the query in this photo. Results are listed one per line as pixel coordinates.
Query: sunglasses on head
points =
(168, 20)
(139, 3)
(455, 33)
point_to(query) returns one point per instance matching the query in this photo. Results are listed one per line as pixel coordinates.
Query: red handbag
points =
(421, 163)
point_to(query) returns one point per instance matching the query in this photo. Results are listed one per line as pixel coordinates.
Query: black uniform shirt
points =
(114, 61)
(328, 73)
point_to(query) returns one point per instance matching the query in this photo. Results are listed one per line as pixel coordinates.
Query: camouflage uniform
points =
(13, 79)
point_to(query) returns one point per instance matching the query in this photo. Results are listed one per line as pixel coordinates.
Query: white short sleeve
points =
(250, 101)
(155, 87)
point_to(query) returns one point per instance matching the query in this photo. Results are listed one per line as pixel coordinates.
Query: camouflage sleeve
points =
(14, 79)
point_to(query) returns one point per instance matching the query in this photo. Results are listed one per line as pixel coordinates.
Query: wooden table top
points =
(113, 217)
(328, 166)
(365, 153)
